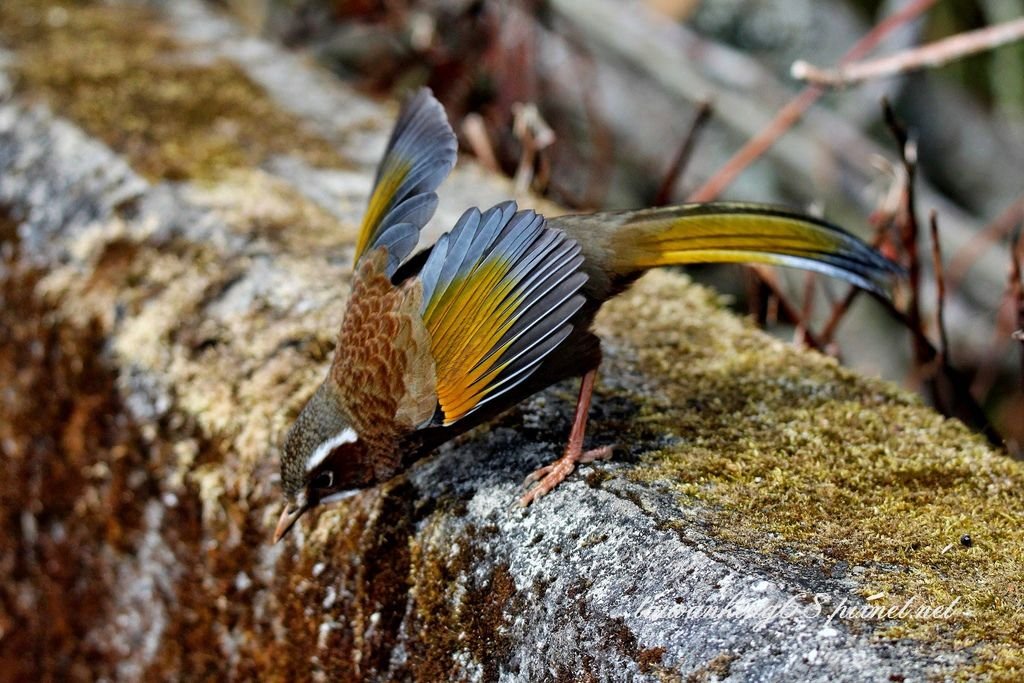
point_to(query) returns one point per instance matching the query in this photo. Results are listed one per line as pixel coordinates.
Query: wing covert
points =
(499, 291)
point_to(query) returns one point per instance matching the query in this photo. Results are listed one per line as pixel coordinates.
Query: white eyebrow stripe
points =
(340, 495)
(347, 435)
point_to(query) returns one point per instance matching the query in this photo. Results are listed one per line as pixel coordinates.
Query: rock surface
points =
(169, 300)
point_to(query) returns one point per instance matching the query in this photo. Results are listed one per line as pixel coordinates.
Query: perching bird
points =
(498, 309)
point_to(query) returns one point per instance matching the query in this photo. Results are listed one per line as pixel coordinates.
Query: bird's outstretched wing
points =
(499, 291)
(419, 156)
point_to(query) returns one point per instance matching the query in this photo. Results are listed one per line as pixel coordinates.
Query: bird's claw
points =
(545, 479)
(538, 474)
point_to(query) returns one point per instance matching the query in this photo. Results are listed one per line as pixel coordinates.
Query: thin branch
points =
(795, 108)
(682, 159)
(756, 146)
(994, 232)
(756, 304)
(926, 56)
(534, 135)
(1017, 297)
(883, 221)
(475, 133)
(987, 366)
(951, 391)
(839, 311)
(987, 373)
(908, 228)
(940, 284)
(791, 312)
(802, 331)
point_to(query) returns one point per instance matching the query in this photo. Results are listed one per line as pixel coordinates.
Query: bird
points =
(499, 308)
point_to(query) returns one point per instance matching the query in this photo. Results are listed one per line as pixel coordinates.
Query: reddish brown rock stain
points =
(75, 478)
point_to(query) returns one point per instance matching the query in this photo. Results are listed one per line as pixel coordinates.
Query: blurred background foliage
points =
(613, 87)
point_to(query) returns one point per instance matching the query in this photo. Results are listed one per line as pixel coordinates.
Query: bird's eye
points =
(324, 480)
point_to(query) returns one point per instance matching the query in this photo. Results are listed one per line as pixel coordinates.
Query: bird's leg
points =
(548, 477)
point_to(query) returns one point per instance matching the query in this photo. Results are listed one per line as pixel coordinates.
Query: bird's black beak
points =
(289, 516)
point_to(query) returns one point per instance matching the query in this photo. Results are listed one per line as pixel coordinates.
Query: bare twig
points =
(756, 146)
(987, 373)
(883, 222)
(802, 330)
(675, 171)
(940, 284)
(756, 304)
(994, 232)
(791, 312)
(949, 390)
(839, 311)
(795, 108)
(475, 132)
(535, 135)
(987, 367)
(1017, 297)
(907, 221)
(926, 56)
(882, 218)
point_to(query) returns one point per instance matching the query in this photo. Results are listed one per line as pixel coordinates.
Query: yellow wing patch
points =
(420, 154)
(381, 200)
(499, 291)
(468, 326)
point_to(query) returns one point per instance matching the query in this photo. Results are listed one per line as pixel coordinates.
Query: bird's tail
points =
(744, 233)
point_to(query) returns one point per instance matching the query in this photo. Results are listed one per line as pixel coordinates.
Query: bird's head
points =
(322, 461)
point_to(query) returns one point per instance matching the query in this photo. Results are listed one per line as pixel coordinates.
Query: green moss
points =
(117, 72)
(792, 454)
